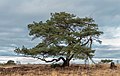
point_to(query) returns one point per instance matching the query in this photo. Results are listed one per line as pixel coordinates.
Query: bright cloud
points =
(113, 42)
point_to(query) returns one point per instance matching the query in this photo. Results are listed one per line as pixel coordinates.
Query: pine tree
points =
(64, 36)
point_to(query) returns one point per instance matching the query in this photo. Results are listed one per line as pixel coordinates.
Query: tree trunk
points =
(66, 63)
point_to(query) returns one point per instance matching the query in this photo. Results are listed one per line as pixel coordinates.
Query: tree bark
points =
(66, 63)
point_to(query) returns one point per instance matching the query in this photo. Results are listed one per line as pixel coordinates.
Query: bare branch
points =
(92, 60)
(60, 58)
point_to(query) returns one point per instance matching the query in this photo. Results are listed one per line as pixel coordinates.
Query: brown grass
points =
(46, 70)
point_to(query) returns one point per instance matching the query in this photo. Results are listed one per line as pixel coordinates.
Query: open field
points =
(46, 70)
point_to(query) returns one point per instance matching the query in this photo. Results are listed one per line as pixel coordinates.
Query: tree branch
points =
(60, 58)
(71, 56)
(86, 42)
(92, 60)
(91, 41)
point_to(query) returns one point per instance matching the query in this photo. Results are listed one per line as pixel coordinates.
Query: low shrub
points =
(106, 61)
(10, 62)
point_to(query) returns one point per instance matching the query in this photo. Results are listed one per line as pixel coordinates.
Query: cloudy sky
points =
(15, 15)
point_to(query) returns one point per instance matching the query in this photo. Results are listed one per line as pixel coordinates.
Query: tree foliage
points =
(64, 36)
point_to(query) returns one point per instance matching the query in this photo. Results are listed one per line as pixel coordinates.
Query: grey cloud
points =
(15, 15)
(107, 53)
(102, 46)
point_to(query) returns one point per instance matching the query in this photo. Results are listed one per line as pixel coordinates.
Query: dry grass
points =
(46, 70)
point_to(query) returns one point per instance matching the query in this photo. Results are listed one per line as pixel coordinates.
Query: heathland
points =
(46, 70)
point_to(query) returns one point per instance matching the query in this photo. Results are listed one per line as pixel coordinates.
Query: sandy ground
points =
(46, 70)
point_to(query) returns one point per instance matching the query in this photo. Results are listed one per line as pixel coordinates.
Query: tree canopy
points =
(64, 36)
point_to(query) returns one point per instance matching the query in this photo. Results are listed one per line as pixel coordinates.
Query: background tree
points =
(10, 62)
(106, 61)
(64, 36)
